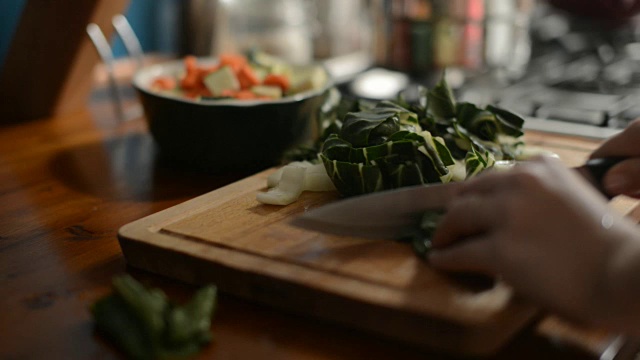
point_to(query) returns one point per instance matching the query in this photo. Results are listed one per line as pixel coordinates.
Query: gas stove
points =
(583, 78)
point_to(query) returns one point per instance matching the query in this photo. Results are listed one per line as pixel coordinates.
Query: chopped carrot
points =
(164, 83)
(247, 78)
(239, 94)
(191, 94)
(190, 63)
(245, 95)
(236, 62)
(204, 71)
(228, 93)
(189, 81)
(191, 77)
(197, 91)
(277, 80)
(206, 92)
(193, 86)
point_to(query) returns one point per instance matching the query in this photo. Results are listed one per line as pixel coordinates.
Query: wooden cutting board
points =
(248, 249)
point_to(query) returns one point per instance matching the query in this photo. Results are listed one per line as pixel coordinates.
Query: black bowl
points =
(218, 136)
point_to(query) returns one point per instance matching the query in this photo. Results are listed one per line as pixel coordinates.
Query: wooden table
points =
(68, 183)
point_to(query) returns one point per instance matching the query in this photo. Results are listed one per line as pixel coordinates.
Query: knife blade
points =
(393, 214)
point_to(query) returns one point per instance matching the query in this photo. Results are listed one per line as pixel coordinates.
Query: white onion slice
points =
(288, 189)
(287, 183)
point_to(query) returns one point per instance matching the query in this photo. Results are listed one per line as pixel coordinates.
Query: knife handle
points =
(598, 167)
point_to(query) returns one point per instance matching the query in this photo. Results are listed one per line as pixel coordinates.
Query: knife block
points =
(49, 65)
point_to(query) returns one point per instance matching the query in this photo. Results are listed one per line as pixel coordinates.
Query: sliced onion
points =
(287, 183)
(288, 189)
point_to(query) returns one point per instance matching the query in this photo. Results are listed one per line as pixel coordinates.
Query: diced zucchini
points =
(274, 92)
(260, 71)
(308, 78)
(272, 64)
(223, 79)
(281, 69)
(262, 58)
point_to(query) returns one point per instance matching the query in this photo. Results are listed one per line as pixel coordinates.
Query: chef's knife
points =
(394, 214)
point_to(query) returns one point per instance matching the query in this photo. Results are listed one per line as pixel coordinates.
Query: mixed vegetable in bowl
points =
(236, 128)
(255, 76)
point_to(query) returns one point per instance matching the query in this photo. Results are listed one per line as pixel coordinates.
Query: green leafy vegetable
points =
(371, 127)
(145, 325)
(401, 143)
(441, 101)
(476, 162)
(405, 159)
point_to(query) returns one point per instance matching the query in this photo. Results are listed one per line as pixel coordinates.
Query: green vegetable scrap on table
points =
(372, 146)
(145, 325)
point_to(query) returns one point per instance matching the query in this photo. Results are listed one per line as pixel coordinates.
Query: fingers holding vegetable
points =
(475, 255)
(624, 178)
(465, 217)
(461, 242)
(474, 233)
(539, 226)
(483, 203)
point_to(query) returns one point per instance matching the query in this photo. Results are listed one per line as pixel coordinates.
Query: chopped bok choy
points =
(371, 146)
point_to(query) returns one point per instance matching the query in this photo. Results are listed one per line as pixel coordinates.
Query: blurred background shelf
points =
(570, 74)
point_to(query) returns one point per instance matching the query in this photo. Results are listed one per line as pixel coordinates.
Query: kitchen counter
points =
(68, 183)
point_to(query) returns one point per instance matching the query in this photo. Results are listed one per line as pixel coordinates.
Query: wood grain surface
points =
(226, 237)
(386, 288)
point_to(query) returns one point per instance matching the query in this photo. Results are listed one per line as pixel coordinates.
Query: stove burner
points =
(580, 72)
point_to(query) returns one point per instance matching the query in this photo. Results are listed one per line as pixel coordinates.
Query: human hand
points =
(543, 230)
(623, 178)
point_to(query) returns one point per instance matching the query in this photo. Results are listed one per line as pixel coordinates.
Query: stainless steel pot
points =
(296, 30)
(420, 36)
